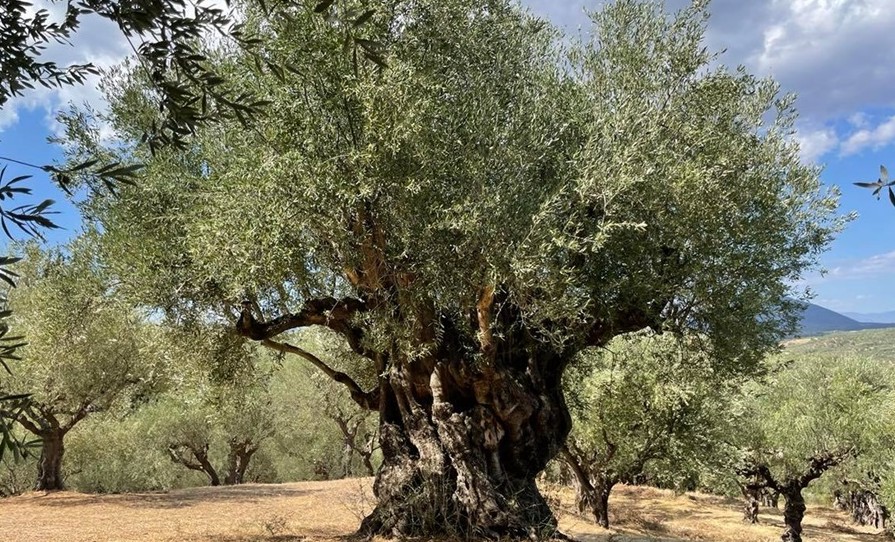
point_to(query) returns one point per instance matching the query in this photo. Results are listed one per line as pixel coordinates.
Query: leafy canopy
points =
(624, 184)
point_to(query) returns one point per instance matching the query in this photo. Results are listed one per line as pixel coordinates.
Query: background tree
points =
(645, 401)
(83, 351)
(813, 416)
(220, 413)
(471, 218)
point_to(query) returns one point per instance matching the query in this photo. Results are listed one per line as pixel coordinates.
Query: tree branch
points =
(329, 312)
(20, 418)
(820, 463)
(761, 473)
(366, 399)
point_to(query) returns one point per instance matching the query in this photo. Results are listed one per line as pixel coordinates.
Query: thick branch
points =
(368, 400)
(325, 311)
(20, 418)
(329, 312)
(762, 474)
(577, 469)
(483, 311)
(819, 464)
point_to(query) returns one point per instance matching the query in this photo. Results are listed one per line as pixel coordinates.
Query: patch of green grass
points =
(870, 343)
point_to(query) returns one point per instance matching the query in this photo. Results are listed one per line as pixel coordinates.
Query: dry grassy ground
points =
(327, 511)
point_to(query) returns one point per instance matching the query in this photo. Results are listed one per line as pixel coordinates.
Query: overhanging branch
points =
(335, 314)
(366, 399)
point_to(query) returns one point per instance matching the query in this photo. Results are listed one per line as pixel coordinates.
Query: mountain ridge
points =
(817, 320)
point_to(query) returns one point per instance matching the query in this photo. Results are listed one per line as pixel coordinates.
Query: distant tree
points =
(470, 219)
(83, 352)
(813, 416)
(645, 401)
(222, 401)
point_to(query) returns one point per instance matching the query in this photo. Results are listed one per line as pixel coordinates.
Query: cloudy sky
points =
(838, 56)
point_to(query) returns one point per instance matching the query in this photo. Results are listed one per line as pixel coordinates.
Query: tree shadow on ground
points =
(182, 498)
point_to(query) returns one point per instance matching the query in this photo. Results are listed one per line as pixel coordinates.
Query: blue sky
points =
(835, 54)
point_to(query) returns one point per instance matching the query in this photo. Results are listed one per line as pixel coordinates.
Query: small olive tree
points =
(645, 406)
(220, 413)
(815, 414)
(84, 348)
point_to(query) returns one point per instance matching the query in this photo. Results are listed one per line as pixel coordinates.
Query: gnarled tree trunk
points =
(750, 508)
(238, 459)
(461, 448)
(591, 493)
(49, 467)
(791, 488)
(470, 411)
(793, 514)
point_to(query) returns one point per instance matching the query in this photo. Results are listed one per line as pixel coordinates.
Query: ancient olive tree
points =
(646, 406)
(468, 216)
(83, 353)
(814, 415)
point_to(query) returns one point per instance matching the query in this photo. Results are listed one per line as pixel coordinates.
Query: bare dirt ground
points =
(330, 511)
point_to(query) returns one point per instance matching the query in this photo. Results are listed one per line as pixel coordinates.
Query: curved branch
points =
(329, 312)
(366, 399)
(23, 420)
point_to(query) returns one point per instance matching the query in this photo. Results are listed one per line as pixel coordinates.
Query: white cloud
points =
(835, 54)
(878, 265)
(870, 137)
(97, 41)
(813, 144)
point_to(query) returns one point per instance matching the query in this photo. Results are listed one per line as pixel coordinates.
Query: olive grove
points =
(468, 207)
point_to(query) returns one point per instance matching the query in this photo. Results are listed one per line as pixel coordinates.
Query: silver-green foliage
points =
(85, 349)
(817, 405)
(650, 408)
(627, 176)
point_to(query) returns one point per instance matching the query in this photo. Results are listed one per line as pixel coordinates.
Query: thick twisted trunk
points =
(462, 445)
(591, 491)
(597, 503)
(750, 508)
(793, 513)
(49, 467)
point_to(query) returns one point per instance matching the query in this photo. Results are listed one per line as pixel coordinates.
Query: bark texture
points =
(470, 399)
(862, 503)
(241, 452)
(461, 448)
(751, 493)
(49, 467)
(793, 514)
(591, 489)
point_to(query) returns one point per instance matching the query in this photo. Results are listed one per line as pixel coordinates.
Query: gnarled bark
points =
(793, 514)
(751, 494)
(591, 492)
(49, 466)
(466, 421)
(238, 458)
(862, 502)
(461, 449)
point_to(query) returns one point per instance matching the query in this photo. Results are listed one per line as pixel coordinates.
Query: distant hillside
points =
(869, 343)
(876, 317)
(817, 320)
